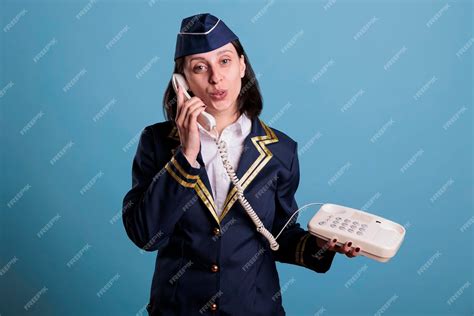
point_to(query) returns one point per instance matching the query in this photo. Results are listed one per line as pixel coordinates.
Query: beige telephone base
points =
(377, 237)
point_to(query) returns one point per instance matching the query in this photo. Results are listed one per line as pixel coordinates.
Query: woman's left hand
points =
(346, 249)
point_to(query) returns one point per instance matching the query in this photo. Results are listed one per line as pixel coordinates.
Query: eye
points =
(228, 61)
(199, 68)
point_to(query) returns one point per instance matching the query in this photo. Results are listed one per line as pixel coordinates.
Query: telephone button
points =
(214, 268)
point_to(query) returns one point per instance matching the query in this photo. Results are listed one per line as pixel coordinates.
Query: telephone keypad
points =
(341, 223)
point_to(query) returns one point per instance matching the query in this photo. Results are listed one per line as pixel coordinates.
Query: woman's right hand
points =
(187, 112)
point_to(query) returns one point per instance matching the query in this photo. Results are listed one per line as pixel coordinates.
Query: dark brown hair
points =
(249, 100)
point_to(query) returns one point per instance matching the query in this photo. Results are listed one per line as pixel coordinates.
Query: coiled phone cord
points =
(240, 194)
(222, 146)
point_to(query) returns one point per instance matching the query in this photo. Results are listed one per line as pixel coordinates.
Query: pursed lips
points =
(217, 92)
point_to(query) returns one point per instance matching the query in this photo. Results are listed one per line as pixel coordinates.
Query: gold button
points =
(213, 307)
(214, 268)
(216, 231)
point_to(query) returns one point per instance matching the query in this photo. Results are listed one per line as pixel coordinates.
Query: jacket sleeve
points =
(159, 194)
(297, 246)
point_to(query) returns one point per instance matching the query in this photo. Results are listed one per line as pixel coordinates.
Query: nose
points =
(215, 77)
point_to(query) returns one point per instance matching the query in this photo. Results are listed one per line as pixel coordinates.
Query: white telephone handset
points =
(179, 79)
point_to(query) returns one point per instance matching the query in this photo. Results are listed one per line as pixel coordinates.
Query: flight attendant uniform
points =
(210, 264)
(211, 260)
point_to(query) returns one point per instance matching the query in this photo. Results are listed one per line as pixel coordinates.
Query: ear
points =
(243, 66)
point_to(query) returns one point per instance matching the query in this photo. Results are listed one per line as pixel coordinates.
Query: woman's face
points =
(215, 78)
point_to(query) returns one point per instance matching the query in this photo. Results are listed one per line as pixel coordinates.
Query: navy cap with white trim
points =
(202, 33)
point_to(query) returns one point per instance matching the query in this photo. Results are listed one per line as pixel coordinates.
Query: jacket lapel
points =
(254, 157)
(204, 190)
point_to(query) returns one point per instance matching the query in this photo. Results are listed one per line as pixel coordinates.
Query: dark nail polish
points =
(357, 249)
(334, 240)
(349, 244)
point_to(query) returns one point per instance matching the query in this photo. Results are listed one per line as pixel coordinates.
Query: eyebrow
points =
(219, 53)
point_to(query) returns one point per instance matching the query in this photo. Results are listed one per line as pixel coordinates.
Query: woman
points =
(211, 259)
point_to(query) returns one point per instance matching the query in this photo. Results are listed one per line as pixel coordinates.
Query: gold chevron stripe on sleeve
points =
(298, 250)
(302, 249)
(178, 179)
(181, 170)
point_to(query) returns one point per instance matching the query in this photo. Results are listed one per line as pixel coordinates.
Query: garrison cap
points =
(202, 33)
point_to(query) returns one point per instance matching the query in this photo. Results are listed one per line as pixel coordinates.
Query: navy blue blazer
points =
(210, 265)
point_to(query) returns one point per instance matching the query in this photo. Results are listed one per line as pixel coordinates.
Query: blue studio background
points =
(377, 94)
